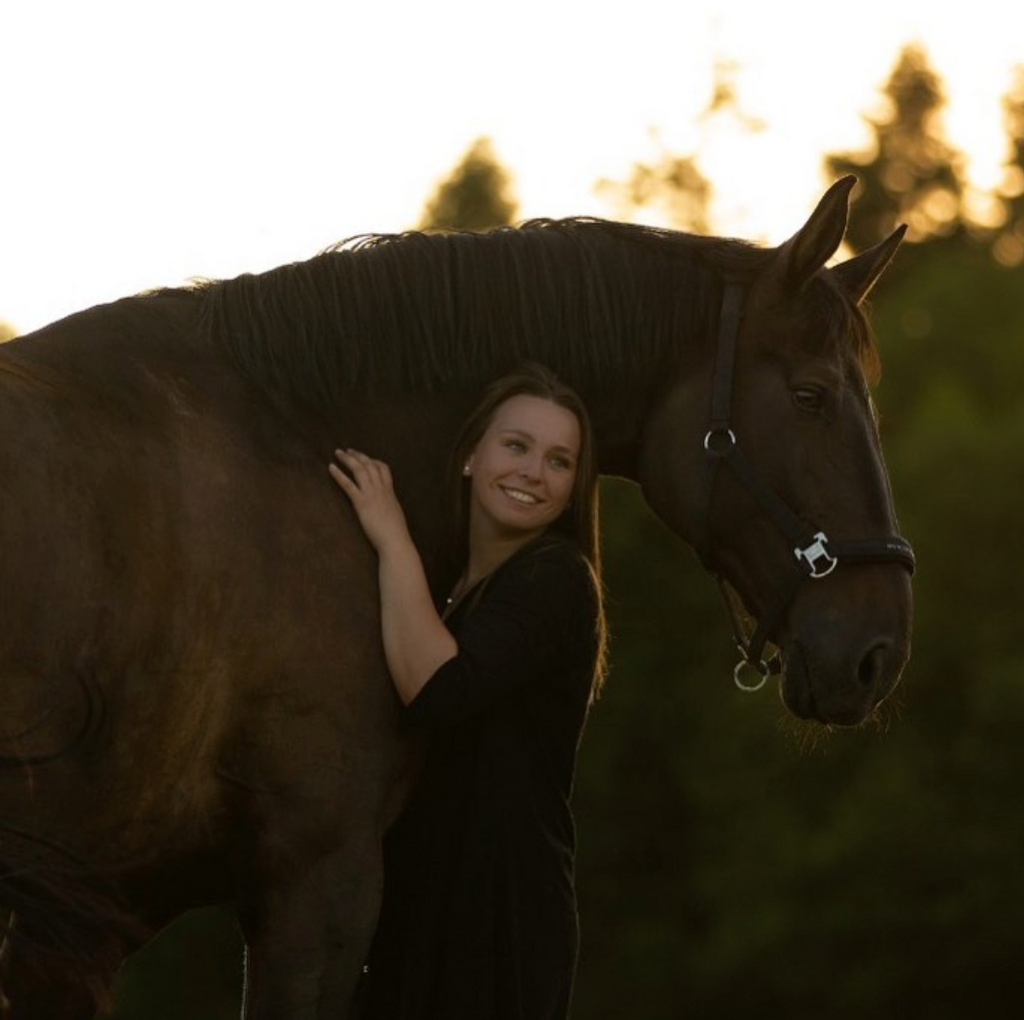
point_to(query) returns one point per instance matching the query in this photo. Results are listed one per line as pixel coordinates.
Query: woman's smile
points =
(519, 495)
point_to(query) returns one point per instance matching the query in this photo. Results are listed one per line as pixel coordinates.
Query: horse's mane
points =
(602, 303)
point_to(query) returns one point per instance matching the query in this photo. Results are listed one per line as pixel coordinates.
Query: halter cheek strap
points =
(815, 554)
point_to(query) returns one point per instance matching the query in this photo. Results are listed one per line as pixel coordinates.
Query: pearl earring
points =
(465, 469)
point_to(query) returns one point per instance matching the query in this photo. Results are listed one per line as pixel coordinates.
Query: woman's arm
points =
(416, 641)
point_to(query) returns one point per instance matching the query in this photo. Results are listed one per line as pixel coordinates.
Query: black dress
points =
(479, 916)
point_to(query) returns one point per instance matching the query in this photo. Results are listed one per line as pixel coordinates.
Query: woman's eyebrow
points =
(511, 431)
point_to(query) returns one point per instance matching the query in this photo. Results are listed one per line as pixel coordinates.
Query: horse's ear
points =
(818, 239)
(858, 275)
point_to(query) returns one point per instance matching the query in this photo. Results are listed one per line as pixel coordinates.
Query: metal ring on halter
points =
(727, 432)
(761, 667)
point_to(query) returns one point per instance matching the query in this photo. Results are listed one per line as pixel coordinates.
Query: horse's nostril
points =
(872, 666)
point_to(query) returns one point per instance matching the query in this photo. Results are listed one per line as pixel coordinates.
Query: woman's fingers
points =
(359, 471)
(367, 483)
(340, 476)
(355, 459)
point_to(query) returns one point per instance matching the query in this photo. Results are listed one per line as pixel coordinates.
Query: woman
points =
(479, 916)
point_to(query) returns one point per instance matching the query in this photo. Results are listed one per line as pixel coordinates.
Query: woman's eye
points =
(809, 398)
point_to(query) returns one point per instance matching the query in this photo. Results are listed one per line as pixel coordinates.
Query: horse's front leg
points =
(308, 934)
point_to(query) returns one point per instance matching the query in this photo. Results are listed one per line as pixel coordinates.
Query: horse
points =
(196, 709)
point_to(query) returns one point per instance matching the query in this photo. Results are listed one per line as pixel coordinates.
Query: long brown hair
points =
(579, 521)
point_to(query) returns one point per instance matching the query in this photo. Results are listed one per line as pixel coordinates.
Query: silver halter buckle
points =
(820, 562)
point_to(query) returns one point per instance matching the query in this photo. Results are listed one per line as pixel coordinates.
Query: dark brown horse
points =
(195, 707)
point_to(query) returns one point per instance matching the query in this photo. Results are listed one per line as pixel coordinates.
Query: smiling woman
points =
(479, 914)
(521, 475)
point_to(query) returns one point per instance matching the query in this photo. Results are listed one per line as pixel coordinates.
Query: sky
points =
(146, 143)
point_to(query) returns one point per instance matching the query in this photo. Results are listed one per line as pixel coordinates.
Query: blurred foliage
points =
(734, 863)
(672, 183)
(477, 195)
(910, 174)
(1008, 246)
(672, 187)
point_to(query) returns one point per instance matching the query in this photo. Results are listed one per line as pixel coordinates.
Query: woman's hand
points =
(368, 485)
(416, 641)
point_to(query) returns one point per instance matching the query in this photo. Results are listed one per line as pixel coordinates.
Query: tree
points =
(476, 196)
(911, 174)
(674, 183)
(1008, 246)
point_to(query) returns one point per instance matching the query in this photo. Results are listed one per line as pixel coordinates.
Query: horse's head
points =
(767, 459)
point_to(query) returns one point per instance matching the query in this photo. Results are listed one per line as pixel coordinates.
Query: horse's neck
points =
(414, 435)
(617, 422)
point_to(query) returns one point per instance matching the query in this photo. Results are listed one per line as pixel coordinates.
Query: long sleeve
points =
(534, 623)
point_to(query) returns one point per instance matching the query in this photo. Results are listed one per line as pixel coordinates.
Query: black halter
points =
(816, 555)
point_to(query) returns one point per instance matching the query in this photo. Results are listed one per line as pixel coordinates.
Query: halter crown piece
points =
(815, 554)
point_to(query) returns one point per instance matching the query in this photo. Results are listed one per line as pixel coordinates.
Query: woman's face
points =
(523, 469)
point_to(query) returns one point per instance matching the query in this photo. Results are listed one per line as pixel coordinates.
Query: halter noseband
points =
(815, 554)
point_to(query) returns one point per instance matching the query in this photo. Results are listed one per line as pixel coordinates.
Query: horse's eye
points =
(809, 398)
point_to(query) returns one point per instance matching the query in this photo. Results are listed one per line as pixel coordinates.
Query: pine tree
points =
(476, 196)
(911, 175)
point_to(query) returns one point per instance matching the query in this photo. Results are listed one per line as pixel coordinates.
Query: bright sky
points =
(144, 143)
